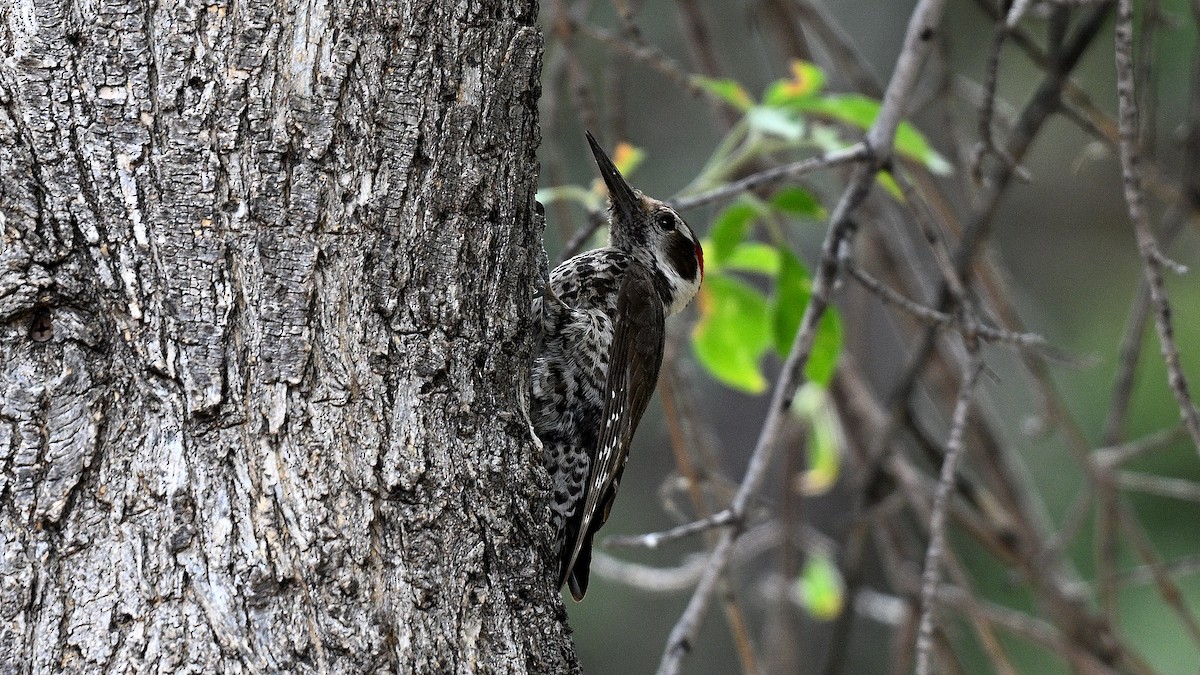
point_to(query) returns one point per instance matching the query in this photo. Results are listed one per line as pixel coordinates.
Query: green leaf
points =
(827, 346)
(888, 182)
(792, 291)
(798, 202)
(727, 90)
(819, 588)
(730, 229)
(756, 257)
(732, 332)
(854, 109)
(861, 111)
(776, 122)
(912, 143)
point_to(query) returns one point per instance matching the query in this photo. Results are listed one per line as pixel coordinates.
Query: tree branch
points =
(937, 520)
(1153, 260)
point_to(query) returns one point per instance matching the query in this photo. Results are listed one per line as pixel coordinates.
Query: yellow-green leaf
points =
(820, 589)
(756, 257)
(812, 405)
(806, 80)
(627, 157)
(727, 90)
(888, 182)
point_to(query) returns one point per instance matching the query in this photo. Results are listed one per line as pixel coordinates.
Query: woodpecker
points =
(601, 332)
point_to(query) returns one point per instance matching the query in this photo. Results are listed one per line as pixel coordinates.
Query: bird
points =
(600, 324)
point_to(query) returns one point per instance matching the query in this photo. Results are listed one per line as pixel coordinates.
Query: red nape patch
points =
(700, 259)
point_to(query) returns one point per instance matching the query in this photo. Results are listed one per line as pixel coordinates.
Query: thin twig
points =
(937, 520)
(1148, 101)
(1028, 627)
(846, 59)
(1032, 629)
(782, 18)
(594, 220)
(687, 440)
(647, 578)
(1116, 455)
(940, 319)
(1016, 13)
(1153, 259)
(1145, 574)
(1108, 515)
(1077, 515)
(1135, 326)
(1163, 486)
(1168, 589)
(699, 39)
(1048, 575)
(852, 153)
(682, 636)
(652, 57)
(653, 539)
(1127, 362)
(753, 543)
(987, 143)
(562, 66)
(925, 505)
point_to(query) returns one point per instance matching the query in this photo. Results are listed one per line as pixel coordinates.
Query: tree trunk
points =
(264, 299)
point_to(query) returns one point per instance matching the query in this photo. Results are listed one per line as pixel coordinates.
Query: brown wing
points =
(633, 362)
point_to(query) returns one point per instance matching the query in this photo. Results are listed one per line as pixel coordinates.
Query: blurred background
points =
(1061, 245)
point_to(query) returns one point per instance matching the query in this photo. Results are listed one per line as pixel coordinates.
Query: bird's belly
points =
(566, 385)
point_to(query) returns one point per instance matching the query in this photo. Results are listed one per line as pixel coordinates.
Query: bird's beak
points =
(625, 201)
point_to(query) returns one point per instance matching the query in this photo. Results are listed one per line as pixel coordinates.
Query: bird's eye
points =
(665, 220)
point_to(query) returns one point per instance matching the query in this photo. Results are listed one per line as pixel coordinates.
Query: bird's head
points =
(654, 234)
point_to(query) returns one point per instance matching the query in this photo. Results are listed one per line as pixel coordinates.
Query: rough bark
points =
(263, 299)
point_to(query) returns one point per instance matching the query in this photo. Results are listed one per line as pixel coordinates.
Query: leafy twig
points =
(925, 19)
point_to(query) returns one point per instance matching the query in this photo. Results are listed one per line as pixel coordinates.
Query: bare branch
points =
(1114, 456)
(852, 153)
(1152, 257)
(1144, 574)
(647, 578)
(653, 539)
(1163, 486)
(651, 56)
(933, 317)
(987, 144)
(937, 521)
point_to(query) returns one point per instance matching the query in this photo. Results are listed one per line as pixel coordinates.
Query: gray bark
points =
(264, 309)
